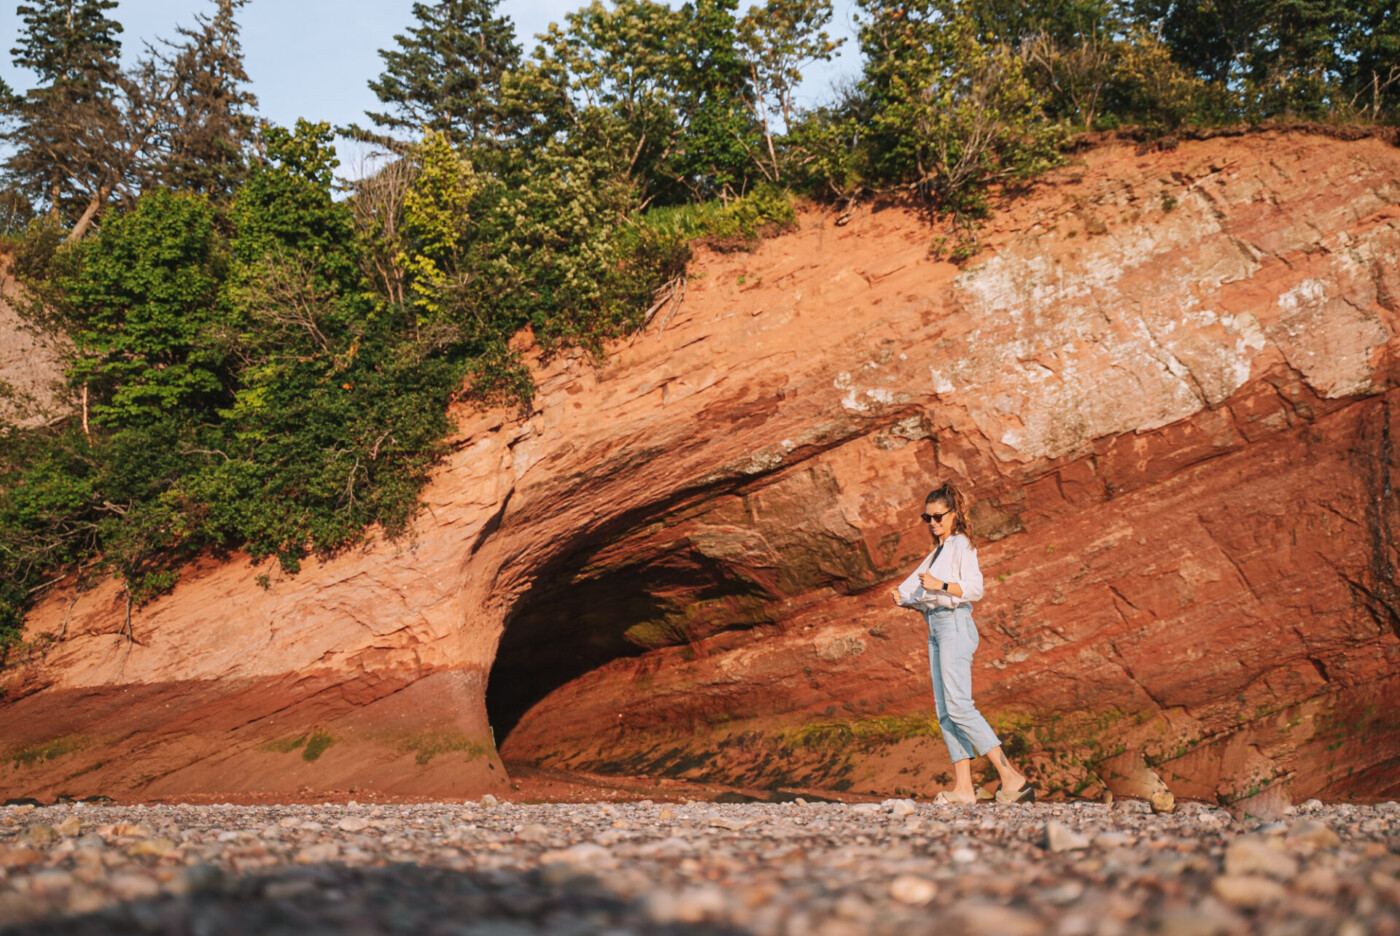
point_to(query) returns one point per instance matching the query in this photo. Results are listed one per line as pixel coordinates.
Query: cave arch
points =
(597, 606)
(730, 561)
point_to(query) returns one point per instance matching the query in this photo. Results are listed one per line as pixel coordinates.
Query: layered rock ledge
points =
(1168, 382)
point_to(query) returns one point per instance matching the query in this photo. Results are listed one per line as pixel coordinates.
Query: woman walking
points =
(943, 588)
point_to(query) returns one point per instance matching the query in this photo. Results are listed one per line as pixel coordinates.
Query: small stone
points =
(1163, 802)
(156, 847)
(1322, 882)
(1312, 805)
(964, 855)
(198, 878)
(69, 827)
(733, 825)
(866, 808)
(1061, 838)
(1310, 833)
(488, 802)
(353, 824)
(39, 834)
(983, 917)
(130, 886)
(1066, 893)
(83, 900)
(19, 857)
(50, 881)
(691, 905)
(1108, 841)
(127, 830)
(851, 906)
(583, 853)
(320, 853)
(1107, 798)
(1247, 890)
(913, 890)
(900, 807)
(1254, 855)
(800, 801)
(1208, 917)
(534, 832)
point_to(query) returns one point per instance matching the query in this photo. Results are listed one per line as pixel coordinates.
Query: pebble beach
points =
(896, 867)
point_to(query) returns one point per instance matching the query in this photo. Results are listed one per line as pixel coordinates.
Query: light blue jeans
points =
(952, 639)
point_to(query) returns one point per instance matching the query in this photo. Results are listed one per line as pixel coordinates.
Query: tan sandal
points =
(944, 798)
(1024, 795)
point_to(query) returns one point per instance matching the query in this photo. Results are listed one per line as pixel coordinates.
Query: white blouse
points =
(956, 562)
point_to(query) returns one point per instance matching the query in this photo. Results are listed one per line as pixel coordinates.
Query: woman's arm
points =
(969, 574)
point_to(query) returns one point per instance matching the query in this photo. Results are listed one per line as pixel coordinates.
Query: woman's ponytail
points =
(950, 495)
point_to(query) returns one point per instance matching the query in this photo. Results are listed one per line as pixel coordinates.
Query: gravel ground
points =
(822, 868)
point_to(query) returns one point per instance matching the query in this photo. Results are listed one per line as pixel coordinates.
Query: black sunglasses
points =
(935, 518)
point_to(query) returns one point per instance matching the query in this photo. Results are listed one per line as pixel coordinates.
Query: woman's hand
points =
(898, 599)
(929, 582)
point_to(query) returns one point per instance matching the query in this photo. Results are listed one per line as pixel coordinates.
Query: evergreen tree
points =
(210, 122)
(63, 128)
(445, 76)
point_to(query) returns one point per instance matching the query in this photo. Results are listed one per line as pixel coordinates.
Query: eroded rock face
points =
(1168, 384)
(30, 362)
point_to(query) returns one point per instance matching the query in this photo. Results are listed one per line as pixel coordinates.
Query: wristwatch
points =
(945, 586)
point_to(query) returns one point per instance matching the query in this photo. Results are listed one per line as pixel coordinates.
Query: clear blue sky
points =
(312, 58)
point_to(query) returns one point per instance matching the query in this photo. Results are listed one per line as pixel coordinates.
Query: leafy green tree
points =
(140, 301)
(287, 208)
(1216, 40)
(1017, 22)
(48, 492)
(445, 76)
(615, 86)
(1370, 60)
(1151, 89)
(713, 158)
(1278, 57)
(778, 40)
(953, 116)
(437, 223)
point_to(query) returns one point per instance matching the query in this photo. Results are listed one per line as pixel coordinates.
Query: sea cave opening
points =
(597, 607)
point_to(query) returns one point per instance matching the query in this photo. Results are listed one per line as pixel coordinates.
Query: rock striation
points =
(1168, 381)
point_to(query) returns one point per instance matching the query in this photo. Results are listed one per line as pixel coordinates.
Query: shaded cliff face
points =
(1168, 384)
(31, 369)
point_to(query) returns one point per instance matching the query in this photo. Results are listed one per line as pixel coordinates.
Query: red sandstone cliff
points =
(30, 362)
(1169, 382)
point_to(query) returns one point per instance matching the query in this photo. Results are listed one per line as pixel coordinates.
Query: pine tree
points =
(63, 127)
(210, 122)
(446, 74)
